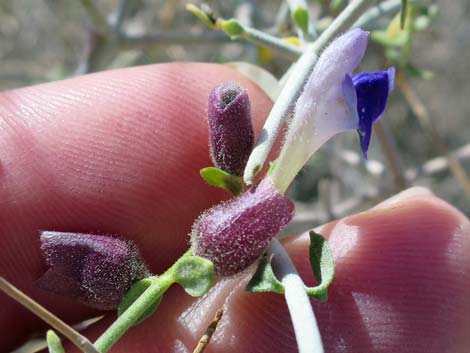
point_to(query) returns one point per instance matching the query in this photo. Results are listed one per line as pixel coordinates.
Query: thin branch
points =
(430, 167)
(148, 39)
(98, 21)
(119, 14)
(300, 309)
(423, 116)
(438, 164)
(76, 338)
(392, 155)
(261, 38)
(382, 9)
(206, 337)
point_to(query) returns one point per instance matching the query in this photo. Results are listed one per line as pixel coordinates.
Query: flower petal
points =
(322, 109)
(372, 90)
(94, 269)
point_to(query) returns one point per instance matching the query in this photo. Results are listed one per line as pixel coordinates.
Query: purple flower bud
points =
(372, 90)
(231, 131)
(234, 234)
(94, 269)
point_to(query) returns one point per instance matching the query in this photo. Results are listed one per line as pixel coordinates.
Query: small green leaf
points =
(53, 342)
(194, 273)
(300, 17)
(232, 27)
(403, 13)
(133, 294)
(217, 177)
(264, 279)
(323, 267)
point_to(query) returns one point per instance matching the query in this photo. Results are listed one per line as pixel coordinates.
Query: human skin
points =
(119, 152)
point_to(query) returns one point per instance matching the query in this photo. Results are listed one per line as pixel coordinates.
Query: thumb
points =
(402, 284)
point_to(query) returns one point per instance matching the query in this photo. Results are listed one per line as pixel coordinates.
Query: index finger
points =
(111, 153)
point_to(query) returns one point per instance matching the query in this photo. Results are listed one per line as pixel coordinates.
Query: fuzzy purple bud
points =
(94, 269)
(234, 234)
(230, 127)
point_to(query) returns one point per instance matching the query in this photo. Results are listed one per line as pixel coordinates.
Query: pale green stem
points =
(134, 312)
(294, 84)
(264, 39)
(372, 15)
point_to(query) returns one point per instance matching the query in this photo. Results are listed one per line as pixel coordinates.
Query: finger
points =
(402, 284)
(112, 153)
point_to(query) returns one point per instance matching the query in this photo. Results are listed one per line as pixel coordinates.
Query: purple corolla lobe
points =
(372, 90)
(234, 234)
(230, 127)
(93, 269)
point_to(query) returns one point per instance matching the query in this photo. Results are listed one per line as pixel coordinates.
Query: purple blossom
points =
(333, 101)
(230, 127)
(372, 90)
(326, 107)
(234, 234)
(94, 269)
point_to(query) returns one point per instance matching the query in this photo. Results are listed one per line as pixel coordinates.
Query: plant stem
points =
(422, 114)
(372, 15)
(303, 319)
(76, 338)
(264, 39)
(134, 312)
(97, 20)
(294, 84)
(392, 155)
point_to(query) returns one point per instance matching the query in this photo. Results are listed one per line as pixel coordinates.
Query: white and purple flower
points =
(333, 101)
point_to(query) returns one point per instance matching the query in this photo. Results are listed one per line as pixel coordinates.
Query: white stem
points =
(305, 325)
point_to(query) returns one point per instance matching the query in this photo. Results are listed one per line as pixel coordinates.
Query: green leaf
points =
(232, 27)
(133, 294)
(323, 267)
(403, 12)
(217, 177)
(53, 342)
(321, 260)
(194, 273)
(300, 17)
(264, 279)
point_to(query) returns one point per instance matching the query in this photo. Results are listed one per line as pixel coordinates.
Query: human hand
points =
(119, 153)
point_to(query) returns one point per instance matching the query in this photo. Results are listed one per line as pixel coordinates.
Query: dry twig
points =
(205, 339)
